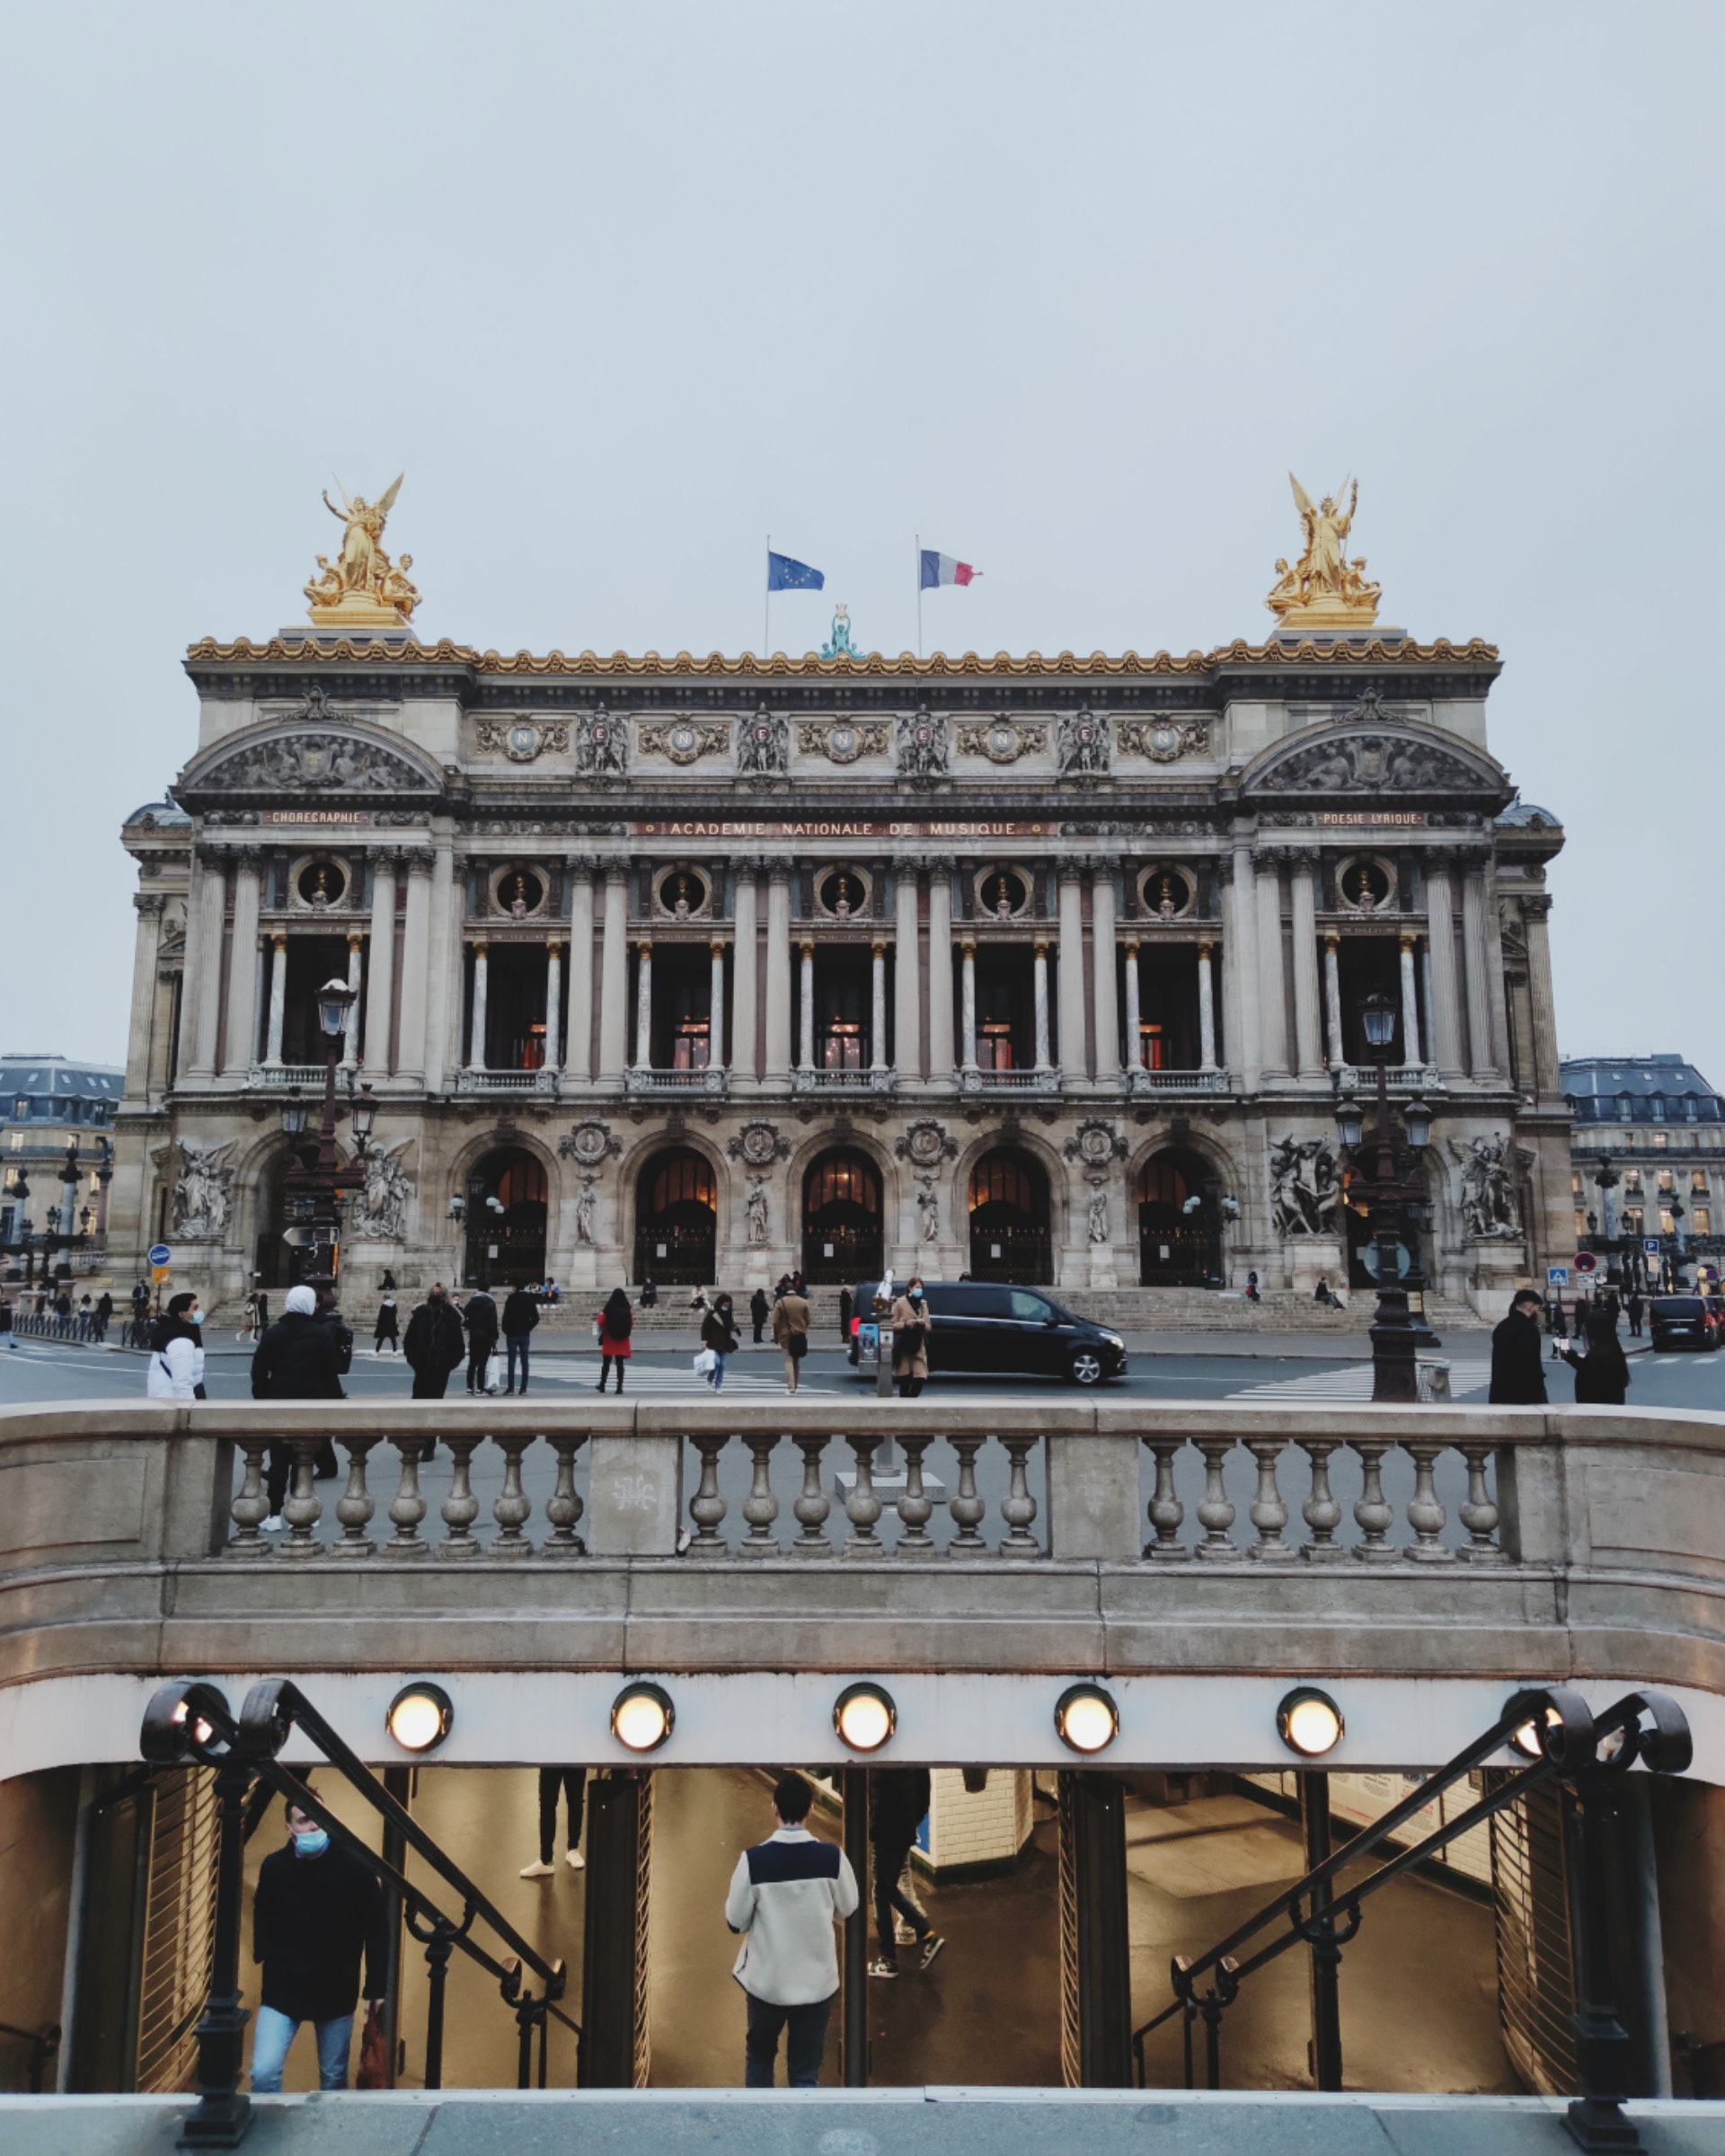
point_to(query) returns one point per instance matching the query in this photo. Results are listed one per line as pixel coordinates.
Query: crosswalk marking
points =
(1353, 1382)
(655, 1381)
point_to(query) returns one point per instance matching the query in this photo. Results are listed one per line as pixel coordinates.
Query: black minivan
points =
(984, 1326)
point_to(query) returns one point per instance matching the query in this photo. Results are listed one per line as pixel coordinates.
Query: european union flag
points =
(783, 574)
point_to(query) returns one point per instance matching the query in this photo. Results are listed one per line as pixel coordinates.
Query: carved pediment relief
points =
(1379, 760)
(326, 755)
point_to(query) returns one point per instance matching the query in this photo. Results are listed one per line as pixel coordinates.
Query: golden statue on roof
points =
(1324, 590)
(362, 588)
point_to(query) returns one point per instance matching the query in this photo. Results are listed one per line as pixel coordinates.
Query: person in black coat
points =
(480, 1317)
(316, 1909)
(521, 1315)
(1602, 1373)
(759, 1311)
(299, 1357)
(1517, 1373)
(898, 1801)
(434, 1345)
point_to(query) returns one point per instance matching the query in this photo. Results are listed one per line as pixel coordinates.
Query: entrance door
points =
(676, 1220)
(1009, 1221)
(1179, 1244)
(507, 1199)
(842, 1242)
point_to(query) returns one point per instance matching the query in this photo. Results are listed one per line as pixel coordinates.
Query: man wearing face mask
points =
(911, 1326)
(315, 1910)
(176, 1365)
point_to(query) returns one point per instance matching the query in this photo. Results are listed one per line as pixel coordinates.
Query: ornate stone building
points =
(1042, 969)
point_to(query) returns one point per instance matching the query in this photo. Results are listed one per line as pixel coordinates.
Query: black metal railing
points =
(43, 2042)
(190, 1723)
(1587, 1755)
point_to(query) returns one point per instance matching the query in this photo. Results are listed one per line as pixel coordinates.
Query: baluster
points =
(304, 1508)
(1321, 1512)
(251, 1508)
(916, 1508)
(1479, 1514)
(356, 1505)
(862, 1507)
(460, 1508)
(1018, 1509)
(813, 1504)
(1426, 1515)
(407, 1507)
(1268, 1509)
(707, 1508)
(965, 1506)
(512, 1506)
(1215, 1513)
(1166, 1511)
(563, 1507)
(760, 1507)
(1372, 1512)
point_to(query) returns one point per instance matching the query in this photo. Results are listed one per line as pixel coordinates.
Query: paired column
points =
(1071, 973)
(1411, 1057)
(1481, 1029)
(1333, 998)
(745, 981)
(146, 953)
(878, 1013)
(476, 1025)
(1104, 994)
(941, 1048)
(1308, 1047)
(1039, 974)
(1206, 1008)
(380, 991)
(907, 981)
(1240, 966)
(806, 1000)
(1133, 1012)
(554, 1003)
(644, 1004)
(1445, 1005)
(202, 994)
(416, 962)
(716, 1007)
(614, 977)
(778, 974)
(1273, 992)
(1535, 909)
(578, 1050)
(242, 1043)
(357, 1008)
(968, 1001)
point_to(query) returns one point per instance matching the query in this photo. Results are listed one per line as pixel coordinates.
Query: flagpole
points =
(919, 594)
(766, 605)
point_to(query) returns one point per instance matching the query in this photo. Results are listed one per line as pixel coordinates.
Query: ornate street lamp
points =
(293, 1113)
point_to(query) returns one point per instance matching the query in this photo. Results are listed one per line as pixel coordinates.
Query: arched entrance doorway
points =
(676, 1220)
(1179, 1243)
(841, 1242)
(507, 1202)
(1009, 1220)
(278, 1264)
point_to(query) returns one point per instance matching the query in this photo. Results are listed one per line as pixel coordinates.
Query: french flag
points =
(942, 569)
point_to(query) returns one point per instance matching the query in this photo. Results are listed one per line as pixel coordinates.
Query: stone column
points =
(941, 1045)
(416, 962)
(1072, 1061)
(1308, 1046)
(1446, 1006)
(806, 1007)
(1104, 992)
(1134, 1011)
(1535, 911)
(1481, 1034)
(278, 998)
(202, 995)
(240, 1051)
(1333, 998)
(1206, 1009)
(614, 977)
(1272, 990)
(357, 1008)
(1411, 1057)
(1240, 966)
(644, 1004)
(745, 990)
(443, 1015)
(716, 1006)
(778, 974)
(1040, 973)
(145, 949)
(476, 1027)
(967, 1001)
(380, 990)
(554, 1003)
(906, 982)
(878, 1012)
(1502, 1051)
(578, 1048)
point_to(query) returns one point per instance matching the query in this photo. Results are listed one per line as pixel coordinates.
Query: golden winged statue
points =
(362, 588)
(1324, 589)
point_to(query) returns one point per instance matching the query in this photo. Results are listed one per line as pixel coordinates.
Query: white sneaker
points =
(576, 1861)
(272, 1526)
(536, 1870)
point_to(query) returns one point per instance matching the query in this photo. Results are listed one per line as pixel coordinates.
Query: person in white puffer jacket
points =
(176, 1365)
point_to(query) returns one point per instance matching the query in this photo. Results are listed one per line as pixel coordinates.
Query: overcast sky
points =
(1067, 289)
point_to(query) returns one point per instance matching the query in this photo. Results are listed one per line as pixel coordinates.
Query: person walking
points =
(846, 1308)
(521, 1315)
(791, 1319)
(898, 1802)
(299, 1357)
(434, 1347)
(249, 1319)
(386, 1332)
(104, 1318)
(175, 1370)
(759, 1311)
(569, 1784)
(480, 1317)
(316, 1909)
(1517, 1374)
(1637, 1310)
(720, 1334)
(1602, 1373)
(6, 1330)
(785, 1895)
(140, 1314)
(911, 1326)
(616, 1322)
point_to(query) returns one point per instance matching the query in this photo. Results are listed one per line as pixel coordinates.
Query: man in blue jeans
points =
(785, 1894)
(315, 1910)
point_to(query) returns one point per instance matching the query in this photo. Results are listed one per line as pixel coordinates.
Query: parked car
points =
(983, 1325)
(1683, 1321)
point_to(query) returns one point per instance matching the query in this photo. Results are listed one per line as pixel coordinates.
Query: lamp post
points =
(1394, 1189)
(316, 1190)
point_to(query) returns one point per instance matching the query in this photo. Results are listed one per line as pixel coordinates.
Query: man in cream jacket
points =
(785, 1895)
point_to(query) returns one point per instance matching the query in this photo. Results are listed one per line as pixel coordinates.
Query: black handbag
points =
(796, 1346)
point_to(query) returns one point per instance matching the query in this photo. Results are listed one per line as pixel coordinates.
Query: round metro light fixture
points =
(419, 1717)
(1524, 1739)
(1086, 1719)
(1309, 1722)
(864, 1716)
(642, 1717)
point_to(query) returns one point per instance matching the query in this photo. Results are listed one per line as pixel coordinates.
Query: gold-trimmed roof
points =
(938, 665)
